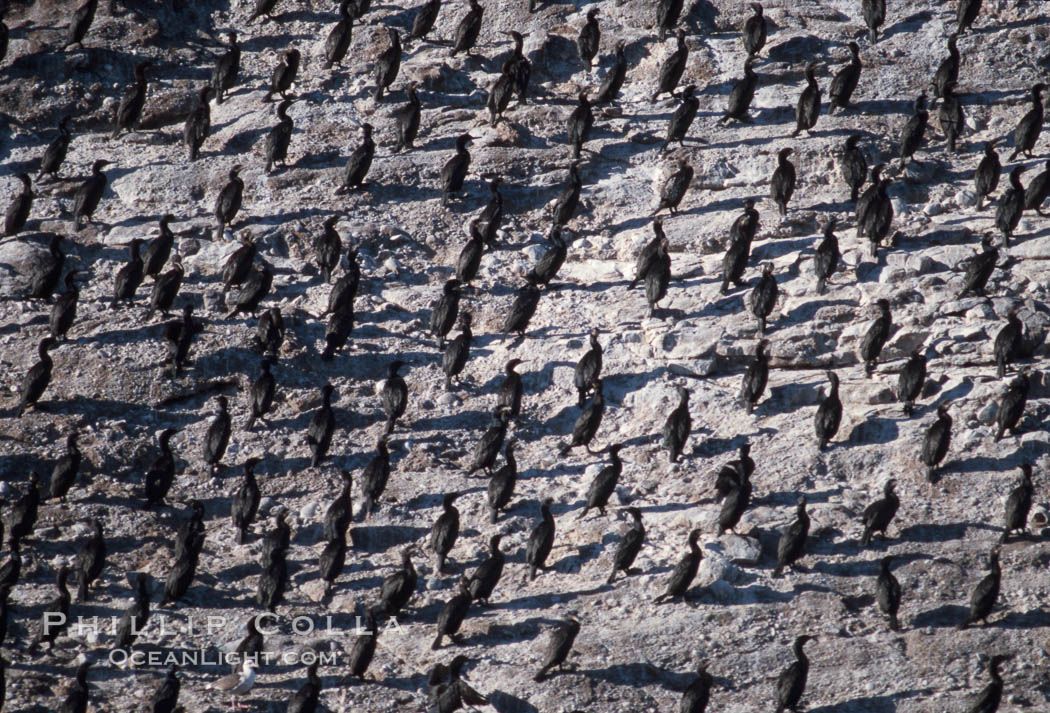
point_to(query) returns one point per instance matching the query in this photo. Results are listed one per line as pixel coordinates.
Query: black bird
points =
(469, 261)
(486, 450)
(979, 268)
(198, 123)
(1011, 407)
(64, 474)
(456, 355)
(698, 692)
(340, 512)
(398, 587)
(966, 14)
(888, 593)
(935, 443)
(254, 290)
(827, 256)
(227, 67)
(18, 212)
(80, 23)
(159, 249)
(424, 20)
(875, 213)
(782, 185)
(132, 102)
(260, 396)
(276, 541)
(361, 7)
(305, 700)
(737, 254)
(911, 135)
(55, 153)
(1008, 342)
(988, 699)
(603, 485)
(737, 499)
(135, 616)
(874, 12)
(23, 514)
(246, 501)
(9, 577)
(280, 137)
(375, 477)
(733, 473)
(1011, 206)
(500, 93)
(37, 379)
(407, 118)
(272, 583)
(331, 562)
(756, 376)
(283, 75)
(658, 276)
(792, 681)
(394, 395)
(986, 178)
(1018, 504)
(581, 120)
(845, 81)
(501, 484)
(454, 172)
(741, 95)
(229, 200)
(508, 398)
(829, 413)
(985, 594)
(445, 530)
(588, 368)
(468, 29)
(678, 426)
(485, 578)
(337, 331)
(792, 541)
(91, 558)
(950, 117)
(264, 9)
(452, 614)
(253, 643)
(166, 696)
(179, 334)
(853, 166)
(161, 473)
(491, 216)
(360, 161)
(541, 540)
(589, 38)
(673, 67)
(522, 310)
(875, 338)
(183, 569)
(76, 700)
(629, 546)
(129, 277)
(569, 198)
(684, 572)
(364, 647)
(44, 279)
(587, 423)
(269, 333)
(338, 40)
(322, 425)
(64, 311)
(764, 297)
(558, 647)
(911, 380)
(948, 70)
(329, 248)
(753, 33)
(388, 63)
(614, 78)
(675, 185)
(447, 692)
(1038, 190)
(54, 619)
(218, 437)
(808, 109)
(667, 14)
(546, 268)
(89, 193)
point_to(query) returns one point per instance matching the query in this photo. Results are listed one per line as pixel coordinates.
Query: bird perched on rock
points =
(888, 592)
(558, 647)
(935, 443)
(792, 541)
(684, 572)
(985, 594)
(829, 413)
(875, 338)
(782, 185)
(808, 110)
(791, 683)
(845, 80)
(1018, 504)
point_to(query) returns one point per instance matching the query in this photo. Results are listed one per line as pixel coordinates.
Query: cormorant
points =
(55, 153)
(1018, 504)
(394, 395)
(1008, 342)
(182, 570)
(129, 277)
(179, 333)
(888, 592)
(487, 575)
(741, 95)
(136, 615)
(37, 378)
(272, 583)
(454, 172)
(260, 396)
(647, 256)
(224, 75)
(558, 647)
(18, 212)
(541, 540)
(756, 377)
(468, 29)
(269, 333)
(455, 356)
(579, 127)
(331, 562)
(246, 501)
(673, 67)
(853, 166)
(587, 423)
(603, 485)
(486, 450)
(329, 247)
(447, 692)
(966, 14)
(388, 63)
(279, 137)
(322, 425)
(948, 70)
(218, 437)
(469, 261)
(678, 426)
(911, 380)
(229, 200)
(9, 576)
(829, 413)
(398, 587)
(254, 290)
(1038, 190)
(1011, 407)
(360, 161)
(986, 178)
(89, 193)
(845, 80)
(159, 249)
(491, 216)
(276, 541)
(667, 13)
(198, 123)
(338, 40)
(452, 614)
(283, 75)
(875, 338)
(501, 484)
(684, 572)
(364, 646)
(658, 276)
(988, 699)
(569, 198)
(950, 117)
(508, 398)
(753, 32)
(827, 256)
(64, 311)
(166, 696)
(792, 681)
(190, 534)
(80, 23)
(914, 130)
(808, 109)
(629, 546)
(792, 541)
(91, 558)
(782, 184)
(375, 477)
(935, 443)
(500, 93)
(253, 643)
(361, 7)
(984, 595)
(23, 514)
(76, 700)
(737, 254)
(764, 297)
(445, 530)
(682, 118)
(614, 78)
(588, 368)
(978, 268)
(131, 103)
(340, 511)
(161, 473)
(407, 119)
(239, 264)
(521, 68)
(875, 215)
(444, 312)
(737, 498)
(64, 474)
(264, 9)
(874, 12)
(54, 618)
(1011, 206)
(589, 38)
(424, 20)
(306, 699)
(522, 310)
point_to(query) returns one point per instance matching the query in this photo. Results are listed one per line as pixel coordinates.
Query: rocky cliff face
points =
(109, 385)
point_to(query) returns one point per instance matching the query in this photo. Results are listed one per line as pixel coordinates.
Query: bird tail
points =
(778, 571)
(540, 675)
(82, 588)
(1000, 368)
(251, 423)
(240, 535)
(821, 286)
(437, 643)
(612, 577)
(999, 434)
(865, 539)
(493, 515)
(894, 624)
